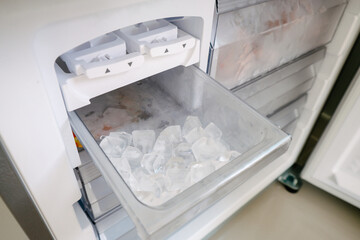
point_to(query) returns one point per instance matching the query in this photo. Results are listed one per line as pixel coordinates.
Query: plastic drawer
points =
(254, 40)
(167, 99)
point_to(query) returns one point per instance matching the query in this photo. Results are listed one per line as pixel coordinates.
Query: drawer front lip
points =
(171, 215)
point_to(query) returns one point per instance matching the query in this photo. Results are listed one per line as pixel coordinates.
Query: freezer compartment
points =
(251, 41)
(283, 86)
(98, 198)
(164, 100)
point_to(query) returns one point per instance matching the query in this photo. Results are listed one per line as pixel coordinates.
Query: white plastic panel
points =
(335, 162)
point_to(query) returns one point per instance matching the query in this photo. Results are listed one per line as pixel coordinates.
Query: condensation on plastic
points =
(254, 40)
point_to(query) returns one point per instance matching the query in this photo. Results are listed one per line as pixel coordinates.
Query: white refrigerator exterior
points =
(34, 126)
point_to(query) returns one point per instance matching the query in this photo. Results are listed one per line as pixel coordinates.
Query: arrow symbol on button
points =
(107, 70)
(184, 45)
(166, 50)
(129, 63)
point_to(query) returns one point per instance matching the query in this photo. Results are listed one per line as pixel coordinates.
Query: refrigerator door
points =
(157, 103)
(335, 163)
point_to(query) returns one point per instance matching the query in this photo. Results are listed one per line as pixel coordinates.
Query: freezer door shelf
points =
(167, 99)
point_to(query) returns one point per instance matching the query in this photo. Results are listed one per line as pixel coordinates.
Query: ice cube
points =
(133, 156)
(191, 122)
(153, 162)
(195, 134)
(159, 164)
(143, 181)
(113, 146)
(163, 147)
(179, 179)
(228, 155)
(206, 149)
(162, 183)
(213, 131)
(175, 162)
(144, 140)
(171, 134)
(122, 135)
(199, 170)
(122, 166)
(218, 164)
(184, 151)
(234, 154)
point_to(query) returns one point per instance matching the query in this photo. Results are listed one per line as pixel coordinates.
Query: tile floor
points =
(273, 215)
(9, 227)
(277, 214)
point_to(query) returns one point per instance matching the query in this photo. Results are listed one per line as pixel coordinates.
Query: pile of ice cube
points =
(156, 169)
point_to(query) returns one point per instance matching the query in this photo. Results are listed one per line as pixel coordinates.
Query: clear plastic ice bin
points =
(167, 99)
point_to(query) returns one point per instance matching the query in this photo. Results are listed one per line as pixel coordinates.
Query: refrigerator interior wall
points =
(335, 163)
(254, 40)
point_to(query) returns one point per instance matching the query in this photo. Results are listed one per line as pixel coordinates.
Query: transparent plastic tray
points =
(289, 114)
(97, 197)
(281, 87)
(254, 40)
(167, 99)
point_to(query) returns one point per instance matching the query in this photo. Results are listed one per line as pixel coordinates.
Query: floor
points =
(273, 215)
(9, 228)
(277, 214)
